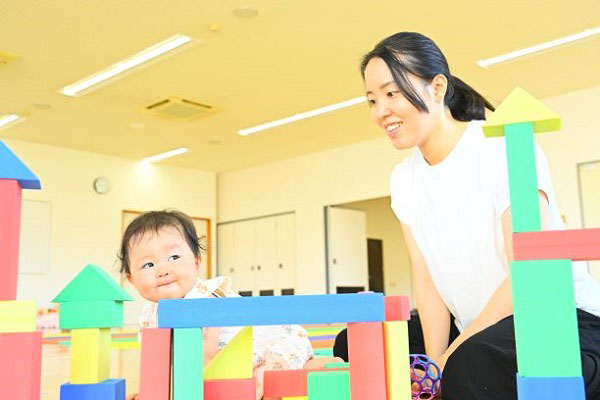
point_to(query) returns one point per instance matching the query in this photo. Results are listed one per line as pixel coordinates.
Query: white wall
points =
(360, 171)
(86, 227)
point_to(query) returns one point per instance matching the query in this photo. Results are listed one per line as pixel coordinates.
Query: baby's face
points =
(162, 265)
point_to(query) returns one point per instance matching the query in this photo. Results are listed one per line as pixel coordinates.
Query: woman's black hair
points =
(153, 221)
(414, 53)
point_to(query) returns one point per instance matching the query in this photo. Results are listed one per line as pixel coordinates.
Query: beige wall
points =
(360, 171)
(382, 224)
(86, 227)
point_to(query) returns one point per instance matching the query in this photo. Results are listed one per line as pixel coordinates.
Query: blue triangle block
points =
(13, 168)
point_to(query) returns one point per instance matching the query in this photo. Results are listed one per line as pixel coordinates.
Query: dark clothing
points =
(484, 367)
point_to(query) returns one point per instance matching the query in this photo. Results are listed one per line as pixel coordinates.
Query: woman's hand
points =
(133, 397)
(319, 363)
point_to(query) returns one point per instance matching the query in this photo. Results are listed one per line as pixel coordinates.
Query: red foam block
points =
(366, 355)
(10, 225)
(289, 383)
(155, 371)
(397, 308)
(230, 389)
(20, 365)
(576, 244)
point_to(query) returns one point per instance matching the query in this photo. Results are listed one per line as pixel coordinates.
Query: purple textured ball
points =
(425, 376)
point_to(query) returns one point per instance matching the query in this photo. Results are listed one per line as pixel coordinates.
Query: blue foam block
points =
(13, 168)
(110, 389)
(271, 310)
(552, 388)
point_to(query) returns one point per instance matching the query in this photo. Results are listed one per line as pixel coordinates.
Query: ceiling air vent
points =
(176, 108)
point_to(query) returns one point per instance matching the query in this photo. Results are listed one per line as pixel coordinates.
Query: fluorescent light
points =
(7, 120)
(125, 65)
(304, 115)
(538, 47)
(167, 154)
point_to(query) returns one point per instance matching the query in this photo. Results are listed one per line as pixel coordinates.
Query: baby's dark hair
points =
(154, 221)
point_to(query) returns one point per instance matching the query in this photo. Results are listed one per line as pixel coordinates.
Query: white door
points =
(225, 250)
(286, 252)
(347, 248)
(266, 256)
(244, 250)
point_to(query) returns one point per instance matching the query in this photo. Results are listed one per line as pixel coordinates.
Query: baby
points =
(160, 255)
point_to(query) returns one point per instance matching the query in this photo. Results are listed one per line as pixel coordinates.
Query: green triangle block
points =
(518, 107)
(92, 283)
(546, 331)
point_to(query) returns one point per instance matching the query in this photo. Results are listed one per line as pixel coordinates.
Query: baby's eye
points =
(173, 257)
(148, 265)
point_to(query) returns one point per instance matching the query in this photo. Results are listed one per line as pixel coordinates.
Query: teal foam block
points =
(188, 364)
(271, 310)
(522, 178)
(558, 388)
(329, 385)
(545, 316)
(110, 389)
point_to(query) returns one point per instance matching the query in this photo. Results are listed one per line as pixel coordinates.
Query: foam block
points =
(329, 385)
(289, 383)
(337, 365)
(111, 389)
(522, 178)
(235, 361)
(11, 168)
(230, 389)
(10, 228)
(295, 398)
(90, 355)
(397, 368)
(92, 276)
(557, 388)
(576, 244)
(20, 365)
(187, 364)
(17, 316)
(397, 308)
(270, 310)
(519, 107)
(155, 370)
(545, 318)
(90, 314)
(367, 361)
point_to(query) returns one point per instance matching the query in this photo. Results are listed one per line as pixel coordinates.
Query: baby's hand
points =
(319, 363)
(132, 396)
(210, 344)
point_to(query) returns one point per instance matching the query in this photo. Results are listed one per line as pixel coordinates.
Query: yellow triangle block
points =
(235, 361)
(520, 107)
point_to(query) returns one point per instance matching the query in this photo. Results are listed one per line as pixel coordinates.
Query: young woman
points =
(452, 199)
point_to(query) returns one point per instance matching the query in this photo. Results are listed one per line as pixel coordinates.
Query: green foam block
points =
(91, 314)
(337, 365)
(329, 385)
(188, 382)
(522, 178)
(545, 318)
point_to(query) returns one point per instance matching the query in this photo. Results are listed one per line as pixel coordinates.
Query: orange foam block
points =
(20, 365)
(366, 355)
(230, 389)
(397, 308)
(576, 244)
(289, 383)
(10, 225)
(155, 370)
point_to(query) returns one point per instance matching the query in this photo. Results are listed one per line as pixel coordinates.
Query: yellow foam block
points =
(397, 366)
(235, 360)
(520, 107)
(90, 355)
(17, 316)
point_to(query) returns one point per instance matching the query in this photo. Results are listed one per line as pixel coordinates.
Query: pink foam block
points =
(289, 383)
(10, 225)
(155, 371)
(397, 308)
(577, 245)
(366, 355)
(20, 365)
(230, 389)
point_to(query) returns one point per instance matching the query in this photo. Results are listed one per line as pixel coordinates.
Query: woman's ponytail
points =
(465, 103)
